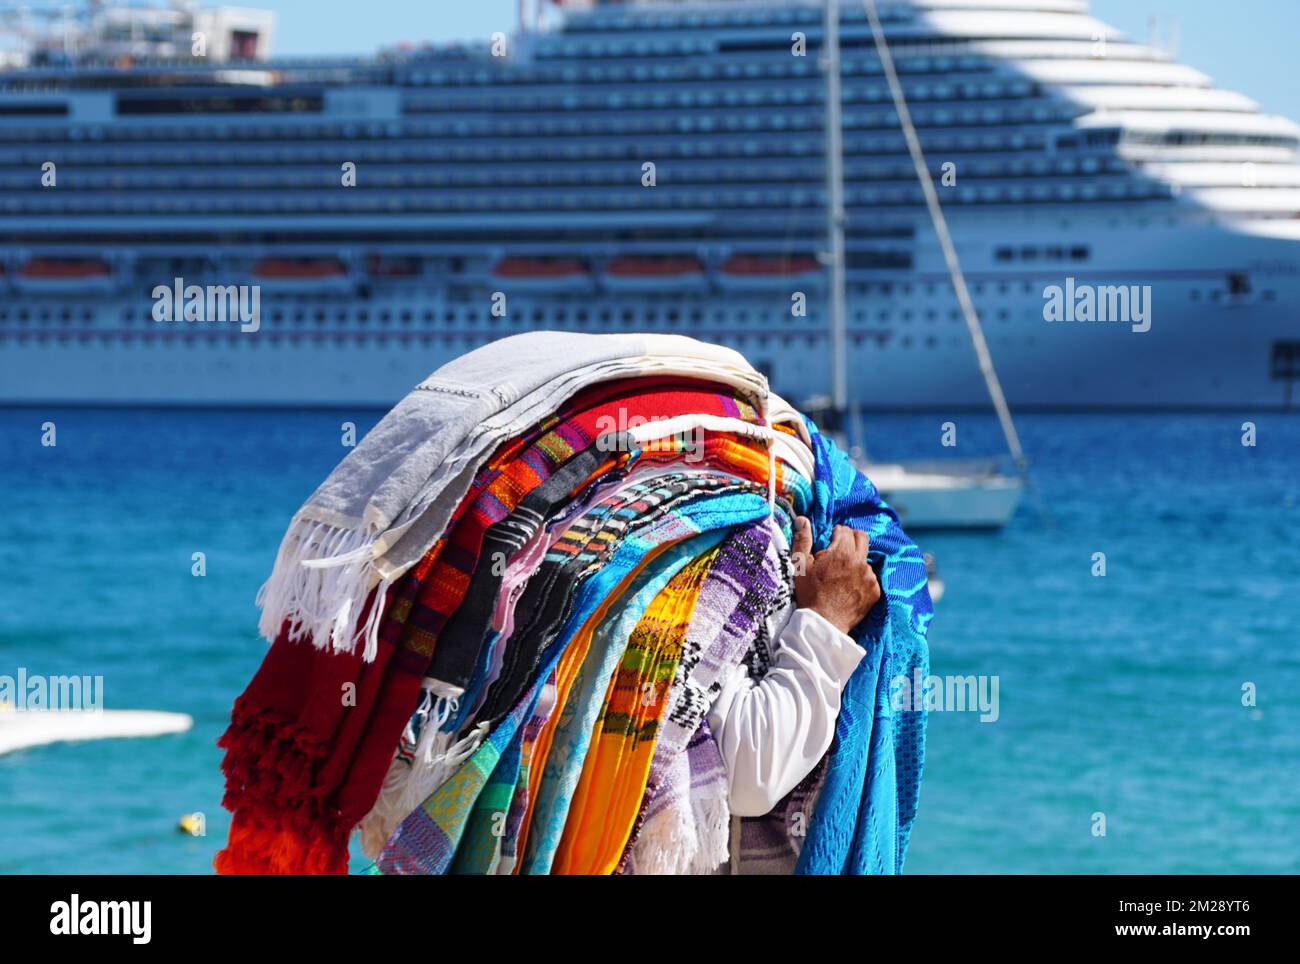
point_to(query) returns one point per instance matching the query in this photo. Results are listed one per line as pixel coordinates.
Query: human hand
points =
(837, 582)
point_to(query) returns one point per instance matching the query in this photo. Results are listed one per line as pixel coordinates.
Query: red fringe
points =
(278, 825)
(266, 840)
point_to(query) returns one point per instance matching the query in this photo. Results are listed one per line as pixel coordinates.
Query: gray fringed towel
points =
(387, 502)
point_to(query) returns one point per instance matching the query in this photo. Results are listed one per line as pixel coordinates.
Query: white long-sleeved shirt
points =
(773, 731)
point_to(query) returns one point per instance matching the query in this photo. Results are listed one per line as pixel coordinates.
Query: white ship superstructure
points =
(650, 167)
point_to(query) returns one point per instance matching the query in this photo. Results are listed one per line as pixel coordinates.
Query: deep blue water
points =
(1119, 695)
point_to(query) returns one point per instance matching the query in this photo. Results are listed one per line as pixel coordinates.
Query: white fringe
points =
(686, 838)
(436, 759)
(667, 842)
(322, 577)
(378, 825)
(713, 834)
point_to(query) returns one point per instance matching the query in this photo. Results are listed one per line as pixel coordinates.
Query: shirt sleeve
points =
(772, 731)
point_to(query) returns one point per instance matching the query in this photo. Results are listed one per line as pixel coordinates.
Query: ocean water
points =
(1118, 695)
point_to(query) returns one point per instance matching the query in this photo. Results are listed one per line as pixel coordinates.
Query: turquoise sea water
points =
(1119, 695)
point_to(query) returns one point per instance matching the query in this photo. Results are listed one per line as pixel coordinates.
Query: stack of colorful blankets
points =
(498, 625)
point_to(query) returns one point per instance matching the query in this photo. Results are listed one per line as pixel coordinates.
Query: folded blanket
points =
(426, 841)
(617, 765)
(684, 819)
(579, 552)
(381, 509)
(633, 599)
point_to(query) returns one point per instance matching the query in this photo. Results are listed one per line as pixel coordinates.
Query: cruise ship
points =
(347, 225)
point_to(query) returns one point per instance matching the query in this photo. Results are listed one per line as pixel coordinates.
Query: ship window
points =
(1079, 254)
(1005, 254)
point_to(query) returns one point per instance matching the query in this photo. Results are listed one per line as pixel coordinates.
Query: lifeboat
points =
(654, 273)
(302, 274)
(64, 274)
(768, 270)
(543, 274)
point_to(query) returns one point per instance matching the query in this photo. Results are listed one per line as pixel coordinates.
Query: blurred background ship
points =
(1078, 154)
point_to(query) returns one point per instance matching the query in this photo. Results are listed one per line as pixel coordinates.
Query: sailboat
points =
(933, 495)
(24, 729)
(957, 494)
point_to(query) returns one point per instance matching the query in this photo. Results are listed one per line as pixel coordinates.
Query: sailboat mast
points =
(940, 223)
(839, 355)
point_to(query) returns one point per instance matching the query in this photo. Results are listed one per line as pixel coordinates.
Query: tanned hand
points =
(836, 582)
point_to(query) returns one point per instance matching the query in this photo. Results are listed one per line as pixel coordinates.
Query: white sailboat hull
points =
(23, 729)
(942, 500)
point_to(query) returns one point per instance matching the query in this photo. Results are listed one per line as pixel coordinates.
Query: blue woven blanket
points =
(864, 813)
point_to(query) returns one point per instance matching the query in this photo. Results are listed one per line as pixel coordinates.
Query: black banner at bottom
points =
(473, 916)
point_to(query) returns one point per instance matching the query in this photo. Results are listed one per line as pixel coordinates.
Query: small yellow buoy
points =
(193, 824)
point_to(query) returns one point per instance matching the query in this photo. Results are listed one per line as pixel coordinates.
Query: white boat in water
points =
(948, 495)
(23, 729)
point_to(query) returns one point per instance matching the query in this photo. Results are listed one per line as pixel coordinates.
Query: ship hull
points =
(1206, 346)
